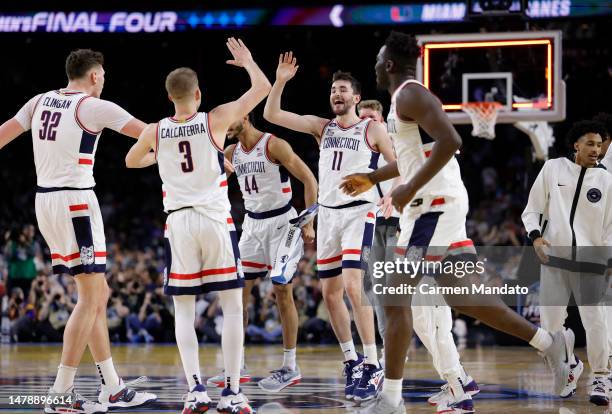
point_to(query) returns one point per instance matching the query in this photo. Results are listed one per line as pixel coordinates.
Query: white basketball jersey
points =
(265, 185)
(64, 149)
(412, 147)
(191, 165)
(344, 151)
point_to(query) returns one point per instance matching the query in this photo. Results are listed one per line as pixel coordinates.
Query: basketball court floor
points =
(514, 380)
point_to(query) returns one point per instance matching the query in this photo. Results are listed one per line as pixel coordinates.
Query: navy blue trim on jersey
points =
(368, 235)
(168, 258)
(221, 158)
(423, 230)
(54, 189)
(351, 264)
(374, 160)
(284, 174)
(88, 142)
(324, 274)
(269, 214)
(205, 288)
(379, 189)
(425, 137)
(84, 239)
(78, 269)
(351, 204)
(234, 238)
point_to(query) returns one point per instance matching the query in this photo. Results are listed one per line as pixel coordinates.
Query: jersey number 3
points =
(49, 122)
(185, 149)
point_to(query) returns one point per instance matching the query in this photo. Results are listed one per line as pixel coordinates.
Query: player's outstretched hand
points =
(240, 53)
(402, 195)
(287, 67)
(355, 184)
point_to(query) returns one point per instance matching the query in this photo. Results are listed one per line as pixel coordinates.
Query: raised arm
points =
(140, 155)
(282, 152)
(224, 115)
(308, 124)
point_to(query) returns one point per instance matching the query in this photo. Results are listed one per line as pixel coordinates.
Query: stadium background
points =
(497, 173)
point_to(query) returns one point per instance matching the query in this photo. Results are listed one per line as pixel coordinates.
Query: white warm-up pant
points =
(433, 324)
(556, 287)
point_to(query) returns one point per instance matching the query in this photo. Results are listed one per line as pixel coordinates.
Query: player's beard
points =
(346, 108)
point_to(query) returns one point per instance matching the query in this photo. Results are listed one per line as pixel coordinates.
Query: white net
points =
(483, 116)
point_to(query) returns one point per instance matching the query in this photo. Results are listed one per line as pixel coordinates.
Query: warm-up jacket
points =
(571, 207)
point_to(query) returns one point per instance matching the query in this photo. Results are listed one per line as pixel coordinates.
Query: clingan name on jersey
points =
(250, 167)
(56, 103)
(341, 142)
(181, 131)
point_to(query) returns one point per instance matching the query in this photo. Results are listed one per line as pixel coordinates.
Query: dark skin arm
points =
(414, 103)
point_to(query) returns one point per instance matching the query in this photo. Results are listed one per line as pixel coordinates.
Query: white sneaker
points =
(382, 406)
(280, 379)
(232, 403)
(71, 402)
(120, 396)
(557, 357)
(463, 406)
(197, 401)
(219, 379)
(445, 394)
(572, 379)
(599, 391)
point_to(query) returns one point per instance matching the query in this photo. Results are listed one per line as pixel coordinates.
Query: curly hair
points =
(581, 128)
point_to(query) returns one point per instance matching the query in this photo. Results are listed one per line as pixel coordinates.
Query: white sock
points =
(289, 358)
(348, 349)
(107, 372)
(232, 336)
(65, 378)
(186, 338)
(541, 341)
(464, 375)
(371, 356)
(392, 391)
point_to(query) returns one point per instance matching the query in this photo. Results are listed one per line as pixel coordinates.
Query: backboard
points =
(520, 70)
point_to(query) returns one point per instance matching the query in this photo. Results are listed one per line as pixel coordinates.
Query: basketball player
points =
(432, 323)
(433, 204)
(345, 225)
(574, 189)
(201, 247)
(66, 124)
(261, 161)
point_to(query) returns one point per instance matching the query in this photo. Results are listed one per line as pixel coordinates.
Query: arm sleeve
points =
(536, 205)
(24, 116)
(96, 114)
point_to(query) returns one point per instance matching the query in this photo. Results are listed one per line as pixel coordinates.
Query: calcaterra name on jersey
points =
(341, 142)
(181, 131)
(56, 103)
(250, 168)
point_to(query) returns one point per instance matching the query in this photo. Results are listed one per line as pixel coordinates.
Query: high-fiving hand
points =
(240, 53)
(287, 67)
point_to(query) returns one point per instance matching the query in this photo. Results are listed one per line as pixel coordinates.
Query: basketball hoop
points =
(483, 116)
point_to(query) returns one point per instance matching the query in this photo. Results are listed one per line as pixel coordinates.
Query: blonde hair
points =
(372, 104)
(181, 83)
